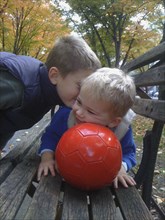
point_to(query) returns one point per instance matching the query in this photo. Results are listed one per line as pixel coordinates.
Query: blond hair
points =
(111, 85)
(70, 54)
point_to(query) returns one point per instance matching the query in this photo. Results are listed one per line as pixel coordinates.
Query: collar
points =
(71, 120)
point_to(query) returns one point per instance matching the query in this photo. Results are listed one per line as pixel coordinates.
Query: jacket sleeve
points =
(128, 149)
(11, 90)
(55, 130)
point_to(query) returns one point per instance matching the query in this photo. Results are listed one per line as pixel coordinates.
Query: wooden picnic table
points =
(22, 197)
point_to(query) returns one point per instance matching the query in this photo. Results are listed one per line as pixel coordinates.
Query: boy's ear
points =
(115, 122)
(53, 75)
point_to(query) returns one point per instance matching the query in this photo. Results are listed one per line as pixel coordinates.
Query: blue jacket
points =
(40, 95)
(59, 125)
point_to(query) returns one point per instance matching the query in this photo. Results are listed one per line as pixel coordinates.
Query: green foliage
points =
(142, 124)
(30, 27)
(118, 30)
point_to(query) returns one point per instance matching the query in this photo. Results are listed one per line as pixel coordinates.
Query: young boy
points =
(105, 98)
(29, 88)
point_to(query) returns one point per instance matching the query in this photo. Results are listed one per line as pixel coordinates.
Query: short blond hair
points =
(111, 85)
(71, 53)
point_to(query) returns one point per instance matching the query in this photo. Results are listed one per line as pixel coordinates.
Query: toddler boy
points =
(105, 98)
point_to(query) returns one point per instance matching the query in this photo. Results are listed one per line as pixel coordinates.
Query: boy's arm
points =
(54, 130)
(128, 150)
(11, 90)
(50, 140)
(128, 161)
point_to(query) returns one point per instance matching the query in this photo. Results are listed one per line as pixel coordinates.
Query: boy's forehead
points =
(92, 103)
(88, 95)
(83, 89)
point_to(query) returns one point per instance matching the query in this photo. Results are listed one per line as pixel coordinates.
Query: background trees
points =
(118, 30)
(30, 27)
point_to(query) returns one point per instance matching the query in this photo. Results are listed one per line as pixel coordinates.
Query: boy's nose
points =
(74, 107)
(79, 112)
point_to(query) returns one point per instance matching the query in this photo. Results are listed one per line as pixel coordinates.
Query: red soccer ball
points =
(88, 156)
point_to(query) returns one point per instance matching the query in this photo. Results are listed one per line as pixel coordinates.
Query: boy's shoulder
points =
(20, 65)
(12, 60)
(63, 109)
(62, 112)
(60, 117)
(124, 125)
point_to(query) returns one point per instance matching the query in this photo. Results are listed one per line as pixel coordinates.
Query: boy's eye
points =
(78, 102)
(92, 113)
(78, 85)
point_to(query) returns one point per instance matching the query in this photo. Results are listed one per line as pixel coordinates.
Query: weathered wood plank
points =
(44, 204)
(142, 93)
(14, 188)
(8, 163)
(23, 208)
(154, 109)
(75, 204)
(34, 133)
(6, 167)
(152, 55)
(102, 205)
(155, 76)
(131, 204)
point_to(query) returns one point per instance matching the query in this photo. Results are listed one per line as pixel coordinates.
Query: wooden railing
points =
(154, 75)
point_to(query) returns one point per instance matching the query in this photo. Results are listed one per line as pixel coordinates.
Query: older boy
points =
(29, 88)
(105, 98)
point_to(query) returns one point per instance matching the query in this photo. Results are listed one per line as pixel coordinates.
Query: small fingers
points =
(46, 169)
(125, 180)
(115, 183)
(131, 181)
(52, 170)
(39, 173)
(42, 170)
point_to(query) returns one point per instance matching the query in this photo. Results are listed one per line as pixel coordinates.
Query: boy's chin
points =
(79, 122)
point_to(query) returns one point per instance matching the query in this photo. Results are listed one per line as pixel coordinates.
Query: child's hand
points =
(47, 164)
(124, 179)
